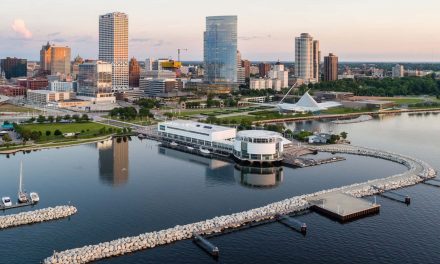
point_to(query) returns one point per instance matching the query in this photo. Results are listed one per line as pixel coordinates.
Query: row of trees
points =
(52, 119)
(130, 113)
(383, 87)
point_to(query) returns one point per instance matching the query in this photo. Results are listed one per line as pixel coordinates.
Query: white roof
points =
(307, 104)
(195, 126)
(258, 133)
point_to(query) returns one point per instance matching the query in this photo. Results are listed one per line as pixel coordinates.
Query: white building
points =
(44, 97)
(278, 73)
(113, 47)
(149, 64)
(398, 71)
(259, 146)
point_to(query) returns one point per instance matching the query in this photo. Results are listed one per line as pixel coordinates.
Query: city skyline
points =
(354, 32)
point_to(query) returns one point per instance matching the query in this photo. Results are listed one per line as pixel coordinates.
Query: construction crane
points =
(178, 53)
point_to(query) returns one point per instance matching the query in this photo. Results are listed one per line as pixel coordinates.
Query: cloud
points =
(140, 39)
(254, 37)
(20, 27)
(53, 34)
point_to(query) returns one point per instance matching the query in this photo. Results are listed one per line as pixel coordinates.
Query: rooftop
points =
(258, 133)
(196, 126)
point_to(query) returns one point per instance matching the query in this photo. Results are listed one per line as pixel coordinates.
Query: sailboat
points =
(22, 198)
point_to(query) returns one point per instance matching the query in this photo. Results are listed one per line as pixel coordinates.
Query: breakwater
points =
(362, 118)
(37, 216)
(417, 172)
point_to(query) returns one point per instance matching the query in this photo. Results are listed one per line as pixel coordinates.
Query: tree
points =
(85, 118)
(57, 132)
(48, 133)
(7, 138)
(76, 118)
(344, 135)
(67, 117)
(58, 119)
(102, 130)
(41, 119)
(50, 119)
(31, 120)
(35, 135)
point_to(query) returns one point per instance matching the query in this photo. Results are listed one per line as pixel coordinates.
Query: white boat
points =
(173, 144)
(34, 197)
(190, 148)
(204, 151)
(6, 201)
(22, 198)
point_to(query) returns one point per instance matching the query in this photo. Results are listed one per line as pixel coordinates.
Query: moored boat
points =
(34, 197)
(22, 198)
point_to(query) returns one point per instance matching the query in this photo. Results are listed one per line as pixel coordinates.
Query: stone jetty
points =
(417, 172)
(37, 216)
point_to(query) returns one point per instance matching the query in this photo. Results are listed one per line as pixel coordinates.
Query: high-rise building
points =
(14, 67)
(241, 74)
(263, 69)
(149, 64)
(247, 68)
(398, 71)
(331, 67)
(113, 47)
(134, 73)
(94, 77)
(55, 60)
(307, 58)
(220, 49)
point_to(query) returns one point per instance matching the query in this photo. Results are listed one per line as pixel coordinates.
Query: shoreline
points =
(52, 145)
(329, 116)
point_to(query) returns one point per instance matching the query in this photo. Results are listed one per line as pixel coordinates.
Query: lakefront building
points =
(307, 58)
(331, 67)
(113, 47)
(220, 49)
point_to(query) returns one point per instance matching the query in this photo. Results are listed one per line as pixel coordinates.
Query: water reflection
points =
(113, 161)
(256, 177)
(217, 171)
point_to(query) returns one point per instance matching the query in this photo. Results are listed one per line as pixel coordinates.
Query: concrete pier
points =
(342, 207)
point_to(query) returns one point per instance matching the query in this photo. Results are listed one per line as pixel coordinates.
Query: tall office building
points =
(307, 58)
(241, 74)
(113, 47)
(134, 73)
(55, 59)
(94, 78)
(13, 67)
(331, 67)
(75, 66)
(247, 68)
(220, 49)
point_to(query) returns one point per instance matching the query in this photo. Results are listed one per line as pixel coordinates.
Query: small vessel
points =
(34, 197)
(174, 144)
(142, 136)
(6, 201)
(22, 198)
(204, 151)
(190, 148)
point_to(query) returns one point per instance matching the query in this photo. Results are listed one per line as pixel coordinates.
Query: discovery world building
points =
(249, 147)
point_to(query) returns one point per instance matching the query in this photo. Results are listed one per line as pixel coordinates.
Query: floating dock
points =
(293, 223)
(206, 246)
(17, 205)
(342, 207)
(394, 195)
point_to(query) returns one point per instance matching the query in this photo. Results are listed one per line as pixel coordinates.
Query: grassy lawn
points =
(404, 100)
(343, 110)
(259, 116)
(86, 130)
(15, 108)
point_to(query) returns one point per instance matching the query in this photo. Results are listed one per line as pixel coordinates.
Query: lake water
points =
(130, 187)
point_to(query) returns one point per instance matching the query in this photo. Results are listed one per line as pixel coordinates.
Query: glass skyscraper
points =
(220, 49)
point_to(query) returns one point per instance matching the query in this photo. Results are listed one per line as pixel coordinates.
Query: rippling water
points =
(128, 188)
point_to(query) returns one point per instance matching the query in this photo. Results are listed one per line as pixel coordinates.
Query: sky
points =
(355, 30)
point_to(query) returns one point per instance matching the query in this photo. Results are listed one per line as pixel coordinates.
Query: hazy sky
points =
(356, 30)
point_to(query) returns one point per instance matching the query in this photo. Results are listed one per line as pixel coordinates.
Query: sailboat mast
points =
(20, 188)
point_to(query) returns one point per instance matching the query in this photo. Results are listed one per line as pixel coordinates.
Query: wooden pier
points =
(342, 207)
(17, 205)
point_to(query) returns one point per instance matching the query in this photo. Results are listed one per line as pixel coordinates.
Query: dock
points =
(17, 205)
(342, 207)
(395, 196)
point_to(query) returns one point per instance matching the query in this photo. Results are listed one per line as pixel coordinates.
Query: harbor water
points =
(126, 187)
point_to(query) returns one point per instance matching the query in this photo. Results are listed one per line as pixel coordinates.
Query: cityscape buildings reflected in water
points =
(219, 172)
(259, 177)
(113, 161)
